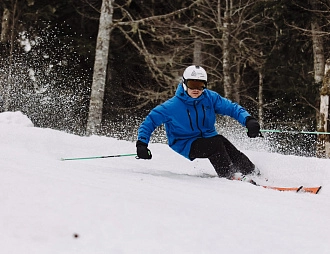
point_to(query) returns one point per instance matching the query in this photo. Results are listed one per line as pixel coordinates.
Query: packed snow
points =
(164, 205)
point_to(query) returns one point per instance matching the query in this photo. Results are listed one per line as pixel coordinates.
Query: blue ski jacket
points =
(187, 119)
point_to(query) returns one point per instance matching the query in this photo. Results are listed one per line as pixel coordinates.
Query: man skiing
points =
(189, 118)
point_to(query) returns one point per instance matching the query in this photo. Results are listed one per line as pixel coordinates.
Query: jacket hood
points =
(183, 95)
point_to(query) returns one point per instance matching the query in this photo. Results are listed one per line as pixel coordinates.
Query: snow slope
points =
(125, 205)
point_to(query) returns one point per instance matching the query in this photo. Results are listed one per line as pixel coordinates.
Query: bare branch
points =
(158, 17)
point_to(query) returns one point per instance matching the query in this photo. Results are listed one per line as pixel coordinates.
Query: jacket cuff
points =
(140, 143)
(248, 118)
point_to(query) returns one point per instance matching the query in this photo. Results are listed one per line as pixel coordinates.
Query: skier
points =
(189, 119)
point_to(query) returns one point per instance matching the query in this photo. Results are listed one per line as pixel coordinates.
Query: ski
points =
(312, 190)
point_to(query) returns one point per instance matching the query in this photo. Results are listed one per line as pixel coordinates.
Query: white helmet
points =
(194, 72)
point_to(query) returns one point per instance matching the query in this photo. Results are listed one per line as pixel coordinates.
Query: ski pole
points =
(298, 132)
(98, 157)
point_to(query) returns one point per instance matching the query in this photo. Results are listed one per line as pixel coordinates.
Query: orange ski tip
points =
(313, 190)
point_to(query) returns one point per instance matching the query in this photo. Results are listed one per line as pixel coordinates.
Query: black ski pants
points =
(223, 155)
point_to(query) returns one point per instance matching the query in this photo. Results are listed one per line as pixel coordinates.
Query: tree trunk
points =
(260, 99)
(323, 142)
(100, 68)
(8, 94)
(318, 53)
(5, 26)
(198, 58)
(319, 67)
(4, 38)
(226, 55)
(237, 83)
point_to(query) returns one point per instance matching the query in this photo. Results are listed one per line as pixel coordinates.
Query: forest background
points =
(268, 56)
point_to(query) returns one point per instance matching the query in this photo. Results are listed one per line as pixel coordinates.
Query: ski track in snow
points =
(164, 205)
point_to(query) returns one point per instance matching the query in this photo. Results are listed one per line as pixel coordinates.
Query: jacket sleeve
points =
(156, 117)
(224, 106)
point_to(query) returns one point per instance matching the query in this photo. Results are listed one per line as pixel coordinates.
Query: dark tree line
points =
(258, 53)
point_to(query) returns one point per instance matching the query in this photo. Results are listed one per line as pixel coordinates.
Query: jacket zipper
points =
(190, 119)
(197, 120)
(204, 114)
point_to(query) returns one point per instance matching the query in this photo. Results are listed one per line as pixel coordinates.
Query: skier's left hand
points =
(253, 127)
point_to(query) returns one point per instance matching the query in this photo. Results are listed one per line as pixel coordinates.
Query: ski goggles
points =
(196, 84)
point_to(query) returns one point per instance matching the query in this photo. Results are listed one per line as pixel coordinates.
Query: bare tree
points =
(323, 144)
(166, 54)
(226, 49)
(8, 35)
(5, 26)
(238, 28)
(321, 74)
(319, 14)
(214, 31)
(198, 58)
(100, 67)
(132, 28)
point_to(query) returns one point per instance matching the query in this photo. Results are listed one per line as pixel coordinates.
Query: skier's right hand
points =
(142, 150)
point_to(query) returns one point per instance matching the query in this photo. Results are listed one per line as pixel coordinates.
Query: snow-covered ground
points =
(125, 205)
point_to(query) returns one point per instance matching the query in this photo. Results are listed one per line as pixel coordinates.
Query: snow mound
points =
(165, 205)
(15, 118)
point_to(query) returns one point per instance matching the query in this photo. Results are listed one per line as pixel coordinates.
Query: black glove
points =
(253, 127)
(142, 150)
